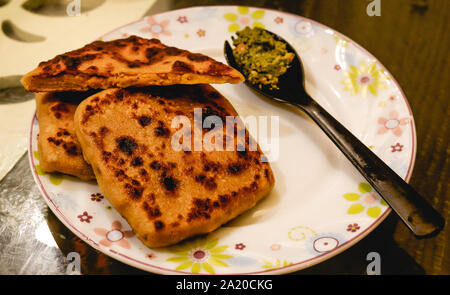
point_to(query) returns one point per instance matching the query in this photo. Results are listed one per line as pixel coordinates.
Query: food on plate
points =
(133, 61)
(262, 58)
(59, 150)
(168, 194)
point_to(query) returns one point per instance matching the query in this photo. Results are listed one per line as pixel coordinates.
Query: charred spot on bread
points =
(152, 52)
(161, 130)
(173, 51)
(126, 144)
(137, 162)
(60, 107)
(208, 182)
(197, 57)
(133, 191)
(144, 120)
(159, 225)
(71, 148)
(235, 168)
(152, 211)
(155, 165)
(119, 94)
(201, 208)
(182, 67)
(169, 182)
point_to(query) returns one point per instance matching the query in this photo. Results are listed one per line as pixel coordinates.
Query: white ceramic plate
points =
(320, 205)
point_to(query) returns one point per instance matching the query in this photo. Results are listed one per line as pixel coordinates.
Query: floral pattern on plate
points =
(320, 205)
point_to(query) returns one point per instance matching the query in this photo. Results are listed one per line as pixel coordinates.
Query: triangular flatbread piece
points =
(121, 63)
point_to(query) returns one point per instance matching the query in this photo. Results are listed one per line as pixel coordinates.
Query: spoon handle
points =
(413, 209)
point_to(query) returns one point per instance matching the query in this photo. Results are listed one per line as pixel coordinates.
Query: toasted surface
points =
(127, 62)
(59, 150)
(168, 195)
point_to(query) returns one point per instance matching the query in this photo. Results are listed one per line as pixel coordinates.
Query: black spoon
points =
(413, 209)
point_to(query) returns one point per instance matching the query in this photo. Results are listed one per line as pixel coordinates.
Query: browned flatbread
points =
(59, 150)
(127, 62)
(164, 194)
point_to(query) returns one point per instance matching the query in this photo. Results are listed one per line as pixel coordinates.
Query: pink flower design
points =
(85, 217)
(151, 255)
(201, 33)
(244, 20)
(392, 123)
(278, 20)
(397, 147)
(337, 67)
(239, 246)
(182, 19)
(370, 199)
(114, 235)
(353, 227)
(155, 28)
(275, 247)
(96, 197)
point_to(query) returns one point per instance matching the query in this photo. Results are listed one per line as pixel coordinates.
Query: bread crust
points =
(133, 61)
(167, 195)
(58, 147)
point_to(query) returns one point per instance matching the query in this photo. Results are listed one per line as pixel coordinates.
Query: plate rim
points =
(281, 270)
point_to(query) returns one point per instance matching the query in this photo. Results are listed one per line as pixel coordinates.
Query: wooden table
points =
(411, 39)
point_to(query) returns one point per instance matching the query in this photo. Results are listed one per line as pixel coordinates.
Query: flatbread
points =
(165, 194)
(59, 150)
(127, 62)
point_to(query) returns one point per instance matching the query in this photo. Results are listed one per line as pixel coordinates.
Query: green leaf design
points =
(208, 267)
(36, 155)
(258, 25)
(219, 249)
(221, 256)
(178, 259)
(56, 179)
(257, 14)
(351, 197)
(196, 267)
(233, 28)
(374, 212)
(184, 265)
(217, 262)
(211, 243)
(373, 90)
(243, 9)
(39, 170)
(230, 16)
(355, 209)
(383, 203)
(267, 264)
(270, 265)
(364, 187)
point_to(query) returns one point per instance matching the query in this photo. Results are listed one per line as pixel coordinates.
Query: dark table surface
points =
(410, 38)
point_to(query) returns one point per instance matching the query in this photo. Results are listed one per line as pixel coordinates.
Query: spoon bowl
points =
(417, 214)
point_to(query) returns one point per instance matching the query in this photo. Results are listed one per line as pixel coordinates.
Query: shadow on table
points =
(394, 260)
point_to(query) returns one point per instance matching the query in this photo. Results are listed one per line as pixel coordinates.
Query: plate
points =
(320, 204)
